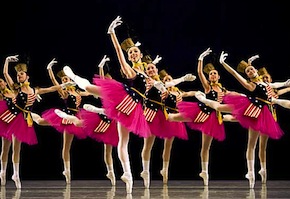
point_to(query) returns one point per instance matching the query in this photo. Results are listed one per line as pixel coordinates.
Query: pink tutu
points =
(3, 125)
(56, 122)
(210, 126)
(18, 127)
(177, 129)
(91, 121)
(162, 128)
(264, 123)
(112, 94)
(22, 131)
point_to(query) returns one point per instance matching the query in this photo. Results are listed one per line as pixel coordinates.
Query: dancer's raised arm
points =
(248, 85)
(7, 77)
(126, 68)
(202, 77)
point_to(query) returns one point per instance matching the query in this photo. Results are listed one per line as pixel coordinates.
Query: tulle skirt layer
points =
(92, 121)
(210, 126)
(18, 127)
(163, 128)
(264, 123)
(112, 94)
(57, 122)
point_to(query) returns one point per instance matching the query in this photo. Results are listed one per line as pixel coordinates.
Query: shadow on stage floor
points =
(174, 190)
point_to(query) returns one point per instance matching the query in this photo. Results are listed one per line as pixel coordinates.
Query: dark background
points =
(75, 33)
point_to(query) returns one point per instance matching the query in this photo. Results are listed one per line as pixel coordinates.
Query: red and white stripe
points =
(149, 114)
(7, 116)
(30, 99)
(275, 95)
(178, 98)
(220, 96)
(201, 117)
(127, 105)
(65, 121)
(271, 92)
(102, 127)
(252, 111)
(78, 100)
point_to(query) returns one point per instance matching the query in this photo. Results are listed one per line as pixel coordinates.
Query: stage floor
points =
(174, 190)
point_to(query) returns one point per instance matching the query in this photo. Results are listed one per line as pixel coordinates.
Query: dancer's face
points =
(151, 70)
(22, 76)
(251, 72)
(267, 78)
(134, 54)
(213, 76)
(65, 79)
(167, 78)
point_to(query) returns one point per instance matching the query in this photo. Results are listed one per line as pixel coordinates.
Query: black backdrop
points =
(74, 32)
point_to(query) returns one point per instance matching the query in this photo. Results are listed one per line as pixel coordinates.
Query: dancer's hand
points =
(51, 63)
(223, 57)
(104, 60)
(38, 98)
(251, 59)
(160, 86)
(156, 60)
(287, 83)
(204, 54)
(13, 58)
(114, 24)
(189, 77)
(67, 84)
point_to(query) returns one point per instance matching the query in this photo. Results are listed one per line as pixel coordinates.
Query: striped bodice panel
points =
(135, 89)
(24, 100)
(260, 97)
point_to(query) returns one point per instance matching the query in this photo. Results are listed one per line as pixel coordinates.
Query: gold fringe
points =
(219, 116)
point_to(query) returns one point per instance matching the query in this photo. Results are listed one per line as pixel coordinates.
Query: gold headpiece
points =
(60, 74)
(262, 71)
(147, 59)
(242, 66)
(21, 67)
(162, 74)
(208, 67)
(127, 43)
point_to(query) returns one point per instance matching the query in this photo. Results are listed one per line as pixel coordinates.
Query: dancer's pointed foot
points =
(111, 176)
(146, 178)
(3, 178)
(68, 72)
(16, 180)
(251, 177)
(66, 174)
(93, 109)
(263, 174)
(204, 176)
(60, 113)
(164, 174)
(127, 178)
(200, 96)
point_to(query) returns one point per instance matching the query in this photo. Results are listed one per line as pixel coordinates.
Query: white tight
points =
(67, 141)
(123, 154)
(206, 143)
(6, 144)
(108, 154)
